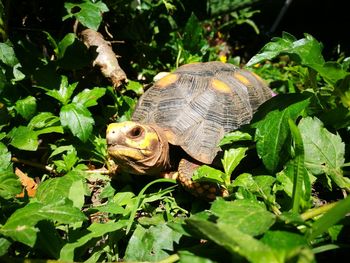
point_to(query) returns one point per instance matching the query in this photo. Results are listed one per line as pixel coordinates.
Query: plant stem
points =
(311, 213)
(33, 164)
(171, 259)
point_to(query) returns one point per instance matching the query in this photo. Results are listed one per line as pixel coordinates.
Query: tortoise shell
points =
(198, 103)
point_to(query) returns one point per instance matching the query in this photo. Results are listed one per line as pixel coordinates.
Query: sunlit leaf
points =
(151, 244)
(89, 97)
(64, 93)
(324, 151)
(235, 136)
(21, 225)
(235, 241)
(24, 138)
(89, 14)
(249, 217)
(272, 132)
(78, 119)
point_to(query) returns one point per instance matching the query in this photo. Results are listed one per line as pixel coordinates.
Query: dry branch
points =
(106, 59)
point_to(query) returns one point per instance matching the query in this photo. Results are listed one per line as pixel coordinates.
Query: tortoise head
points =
(138, 148)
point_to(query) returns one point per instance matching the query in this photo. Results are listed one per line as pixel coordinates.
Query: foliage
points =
(286, 172)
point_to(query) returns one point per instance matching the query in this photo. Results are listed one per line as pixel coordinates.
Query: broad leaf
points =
(235, 136)
(210, 174)
(26, 107)
(330, 218)
(89, 97)
(232, 158)
(7, 55)
(70, 186)
(261, 186)
(43, 120)
(21, 224)
(64, 93)
(272, 133)
(135, 87)
(4, 246)
(151, 244)
(24, 138)
(193, 39)
(249, 217)
(288, 246)
(324, 151)
(89, 14)
(235, 241)
(307, 49)
(9, 183)
(95, 230)
(62, 46)
(78, 119)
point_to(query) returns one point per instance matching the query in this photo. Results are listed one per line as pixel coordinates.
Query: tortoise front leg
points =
(205, 190)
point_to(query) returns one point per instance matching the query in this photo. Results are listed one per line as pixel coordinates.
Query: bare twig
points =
(33, 164)
(106, 59)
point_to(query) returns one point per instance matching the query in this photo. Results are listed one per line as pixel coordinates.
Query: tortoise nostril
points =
(135, 132)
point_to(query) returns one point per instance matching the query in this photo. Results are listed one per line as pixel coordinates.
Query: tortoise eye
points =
(135, 132)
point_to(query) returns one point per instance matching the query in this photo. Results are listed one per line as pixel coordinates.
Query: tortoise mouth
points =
(123, 152)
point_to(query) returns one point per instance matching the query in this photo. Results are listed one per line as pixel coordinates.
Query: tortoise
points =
(179, 122)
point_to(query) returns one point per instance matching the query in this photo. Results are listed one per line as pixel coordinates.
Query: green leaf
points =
(24, 138)
(7, 55)
(88, 97)
(324, 151)
(300, 177)
(307, 50)
(5, 158)
(9, 185)
(43, 120)
(4, 246)
(56, 189)
(62, 46)
(235, 136)
(135, 87)
(78, 119)
(21, 224)
(193, 39)
(250, 217)
(288, 246)
(273, 131)
(95, 230)
(136, 205)
(151, 244)
(210, 174)
(330, 218)
(261, 186)
(9, 182)
(64, 93)
(56, 129)
(26, 107)
(188, 257)
(89, 14)
(232, 158)
(235, 241)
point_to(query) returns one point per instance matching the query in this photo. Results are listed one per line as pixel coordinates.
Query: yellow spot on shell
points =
(220, 86)
(167, 80)
(242, 79)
